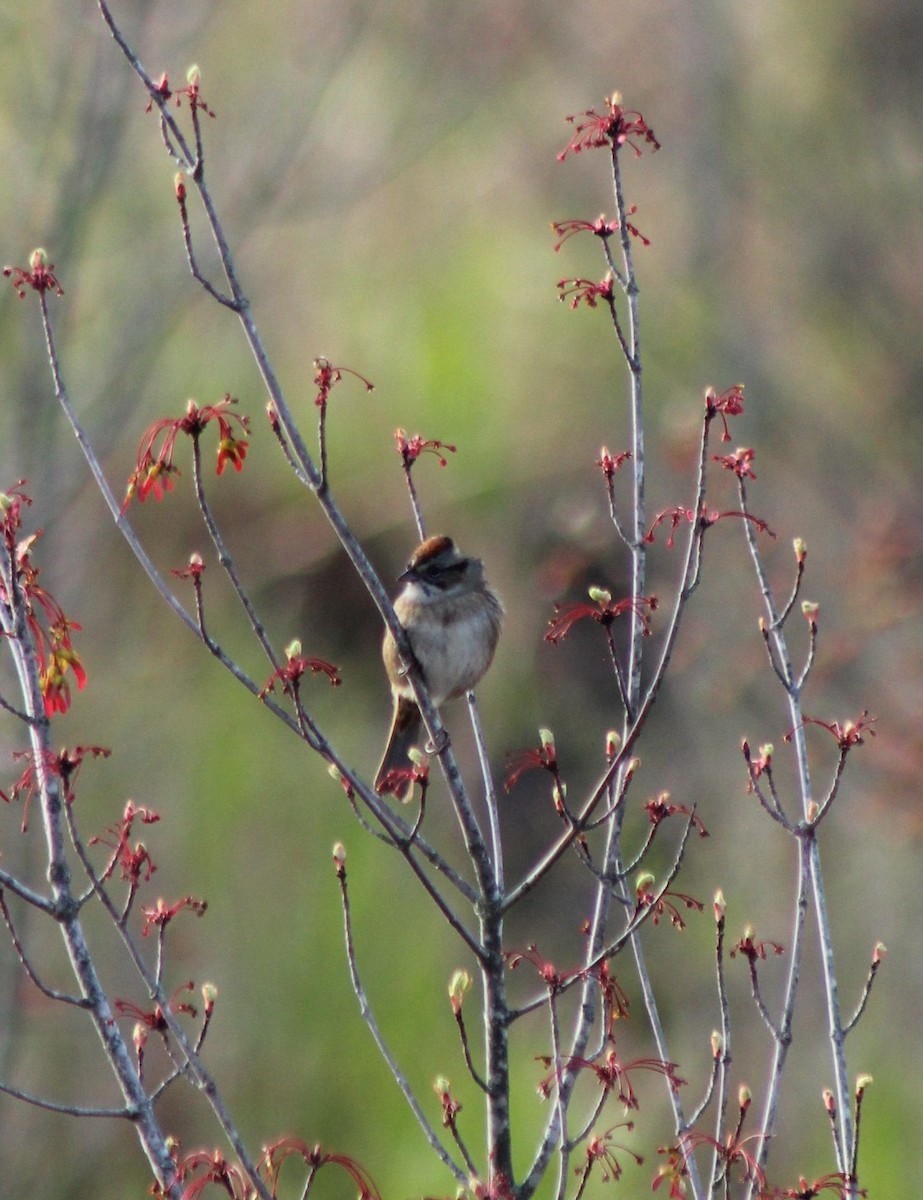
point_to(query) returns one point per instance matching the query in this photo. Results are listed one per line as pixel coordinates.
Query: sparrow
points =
(452, 619)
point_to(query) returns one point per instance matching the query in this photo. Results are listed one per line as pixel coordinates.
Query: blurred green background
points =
(387, 176)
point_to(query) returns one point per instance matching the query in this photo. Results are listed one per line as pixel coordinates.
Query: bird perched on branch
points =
(452, 619)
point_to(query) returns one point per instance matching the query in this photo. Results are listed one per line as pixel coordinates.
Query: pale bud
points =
(720, 905)
(459, 985)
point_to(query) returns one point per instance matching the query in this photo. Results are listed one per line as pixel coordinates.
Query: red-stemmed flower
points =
(614, 1075)
(707, 517)
(399, 781)
(136, 864)
(604, 611)
(410, 448)
(659, 808)
(163, 92)
(740, 462)
(577, 291)
(674, 1171)
(39, 275)
(600, 228)
(154, 465)
(600, 1148)
(610, 463)
(615, 127)
(847, 733)
(759, 764)
(153, 1019)
(647, 895)
(730, 403)
(50, 626)
(159, 915)
(543, 757)
(733, 1151)
(676, 516)
(63, 766)
(296, 666)
(752, 950)
(327, 375)
(54, 678)
(548, 972)
(314, 1157)
(229, 1177)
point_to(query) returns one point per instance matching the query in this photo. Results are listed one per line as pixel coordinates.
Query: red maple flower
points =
(615, 127)
(328, 375)
(847, 734)
(577, 291)
(39, 275)
(296, 666)
(752, 950)
(740, 462)
(604, 611)
(411, 448)
(159, 915)
(154, 465)
(729, 404)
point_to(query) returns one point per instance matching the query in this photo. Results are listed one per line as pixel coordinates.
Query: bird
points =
(452, 619)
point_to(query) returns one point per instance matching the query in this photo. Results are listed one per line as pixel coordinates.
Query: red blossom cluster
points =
(154, 467)
(847, 733)
(63, 766)
(411, 448)
(543, 757)
(135, 862)
(163, 92)
(615, 127)
(740, 462)
(599, 228)
(585, 291)
(610, 463)
(327, 375)
(159, 915)
(51, 628)
(659, 809)
(604, 611)
(39, 275)
(296, 666)
(199, 1170)
(730, 403)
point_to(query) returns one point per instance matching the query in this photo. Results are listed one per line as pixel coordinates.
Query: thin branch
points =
(69, 1110)
(866, 992)
(51, 993)
(383, 1048)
